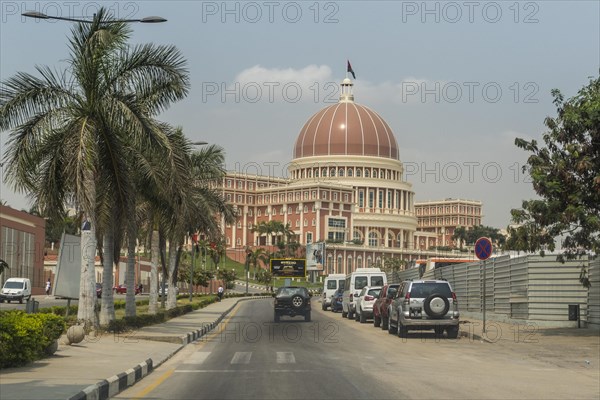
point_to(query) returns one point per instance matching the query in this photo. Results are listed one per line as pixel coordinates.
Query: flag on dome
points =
(351, 70)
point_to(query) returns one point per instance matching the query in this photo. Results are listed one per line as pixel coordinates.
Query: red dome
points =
(346, 128)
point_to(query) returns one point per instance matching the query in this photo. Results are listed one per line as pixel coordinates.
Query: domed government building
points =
(344, 198)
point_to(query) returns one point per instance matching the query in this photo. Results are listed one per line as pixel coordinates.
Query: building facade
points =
(22, 241)
(345, 188)
(442, 217)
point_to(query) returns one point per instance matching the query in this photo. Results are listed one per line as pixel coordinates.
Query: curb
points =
(112, 386)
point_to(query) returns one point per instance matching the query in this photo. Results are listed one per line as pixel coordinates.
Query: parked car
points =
(166, 286)
(292, 301)
(122, 289)
(365, 301)
(15, 289)
(98, 290)
(354, 283)
(336, 300)
(331, 283)
(380, 308)
(422, 305)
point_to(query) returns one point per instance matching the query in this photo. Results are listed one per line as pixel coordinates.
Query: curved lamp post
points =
(200, 143)
(39, 15)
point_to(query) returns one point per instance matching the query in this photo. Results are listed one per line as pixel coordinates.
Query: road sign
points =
(483, 248)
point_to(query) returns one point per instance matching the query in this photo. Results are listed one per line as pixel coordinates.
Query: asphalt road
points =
(251, 357)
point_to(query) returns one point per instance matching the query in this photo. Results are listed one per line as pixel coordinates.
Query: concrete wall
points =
(593, 309)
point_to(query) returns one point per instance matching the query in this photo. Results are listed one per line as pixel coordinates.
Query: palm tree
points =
(460, 234)
(73, 133)
(3, 266)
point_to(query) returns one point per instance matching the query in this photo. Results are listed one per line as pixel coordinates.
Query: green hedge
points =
(24, 337)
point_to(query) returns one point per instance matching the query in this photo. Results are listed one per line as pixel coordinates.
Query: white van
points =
(357, 280)
(331, 283)
(16, 289)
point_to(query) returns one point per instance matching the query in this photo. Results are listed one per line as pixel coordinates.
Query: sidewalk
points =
(101, 367)
(564, 347)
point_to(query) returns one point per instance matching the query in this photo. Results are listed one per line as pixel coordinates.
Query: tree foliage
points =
(565, 173)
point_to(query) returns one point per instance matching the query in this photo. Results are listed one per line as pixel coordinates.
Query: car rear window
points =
(392, 291)
(341, 283)
(360, 282)
(331, 285)
(374, 292)
(377, 281)
(292, 291)
(422, 290)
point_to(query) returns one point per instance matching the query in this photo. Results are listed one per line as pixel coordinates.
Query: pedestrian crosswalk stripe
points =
(197, 358)
(285, 357)
(241, 357)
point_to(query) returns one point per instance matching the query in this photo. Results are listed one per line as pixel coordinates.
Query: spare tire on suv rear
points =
(297, 301)
(436, 305)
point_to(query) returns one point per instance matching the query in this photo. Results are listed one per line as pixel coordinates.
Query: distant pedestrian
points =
(48, 287)
(220, 292)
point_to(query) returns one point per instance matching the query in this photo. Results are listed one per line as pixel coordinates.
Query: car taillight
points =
(367, 298)
(351, 297)
(454, 297)
(407, 297)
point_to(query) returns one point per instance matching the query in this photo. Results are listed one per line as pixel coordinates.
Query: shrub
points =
(24, 337)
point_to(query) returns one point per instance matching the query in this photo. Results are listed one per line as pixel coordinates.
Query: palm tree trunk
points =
(154, 249)
(107, 311)
(172, 295)
(130, 272)
(87, 292)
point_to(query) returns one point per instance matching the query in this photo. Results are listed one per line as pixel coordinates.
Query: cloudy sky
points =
(456, 81)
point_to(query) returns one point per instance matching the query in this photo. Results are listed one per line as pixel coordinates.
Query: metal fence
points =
(594, 294)
(528, 287)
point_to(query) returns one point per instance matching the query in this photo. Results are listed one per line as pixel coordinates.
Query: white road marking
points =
(285, 357)
(237, 371)
(241, 357)
(198, 357)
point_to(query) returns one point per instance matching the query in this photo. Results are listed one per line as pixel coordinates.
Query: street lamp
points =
(39, 15)
(194, 236)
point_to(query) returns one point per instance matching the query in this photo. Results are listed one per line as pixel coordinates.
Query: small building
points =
(22, 241)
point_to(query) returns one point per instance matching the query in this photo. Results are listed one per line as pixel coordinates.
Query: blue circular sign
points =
(483, 248)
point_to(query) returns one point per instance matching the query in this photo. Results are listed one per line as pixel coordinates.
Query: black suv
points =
(422, 305)
(292, 301)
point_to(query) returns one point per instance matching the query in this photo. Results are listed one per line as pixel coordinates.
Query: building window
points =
(251, 199)
(239, 224)
(250, 212)
(361, 198)
(335, 196)
(250, 185)
(228, 196)
(359, 263)
(238, 242)
(346, 197)
(228, 241)
(309, 237)
(350, 172)
(305, 209)
(373, 240)
(358, 172)
(371, 198)
(332, 172)
(240, 185)
(314, 194)
(239, 198)
(305, 222)
(258, 213)
(297, 209)
(341, 172)
(389, 198)
(369, 261)
(380, 199)
(290, 209)
(281, 211)
(367, 173)
(297, 223)
(375, 175)
(228, 183)
(314, 208)
(314, 222)
(349, 264)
